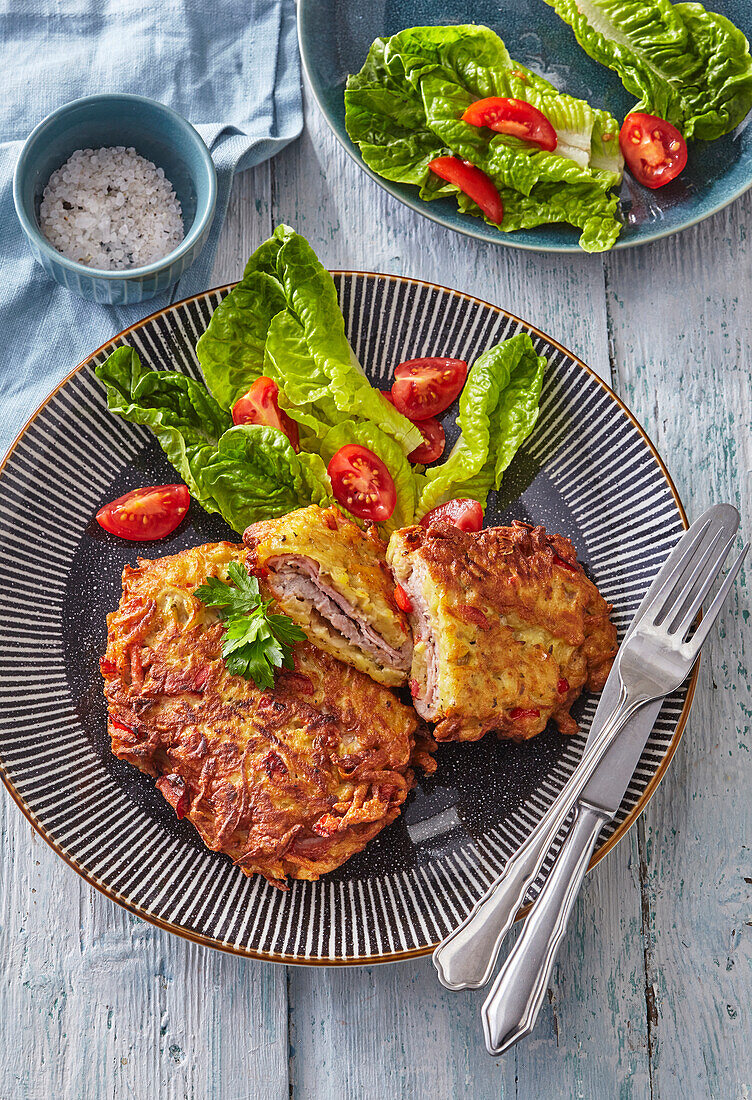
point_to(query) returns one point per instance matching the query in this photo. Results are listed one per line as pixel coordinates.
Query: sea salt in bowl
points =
(158, 134)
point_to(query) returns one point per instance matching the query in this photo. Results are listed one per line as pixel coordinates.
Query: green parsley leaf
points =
(255, 642)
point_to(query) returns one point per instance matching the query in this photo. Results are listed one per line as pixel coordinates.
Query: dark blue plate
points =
(587, 471)
(334, 39)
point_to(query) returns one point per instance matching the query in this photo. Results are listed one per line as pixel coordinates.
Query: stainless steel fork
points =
(654, 659)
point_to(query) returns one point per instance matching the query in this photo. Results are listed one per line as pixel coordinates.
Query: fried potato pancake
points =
(331, 578)
(289, 782)
(507, 628)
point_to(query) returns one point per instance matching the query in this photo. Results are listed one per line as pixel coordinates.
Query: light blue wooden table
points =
(652, 995)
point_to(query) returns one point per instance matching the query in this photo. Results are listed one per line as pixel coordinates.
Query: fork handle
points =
(512, 1006)
(466, 958)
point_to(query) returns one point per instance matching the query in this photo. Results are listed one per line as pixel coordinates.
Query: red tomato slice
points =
(512, 116)
(654, 150)
(144, 514)
(423, 388)
(433, 443)
(260, 405)
(434, 439)
(473, 182)
(361, 483)
(465, 514)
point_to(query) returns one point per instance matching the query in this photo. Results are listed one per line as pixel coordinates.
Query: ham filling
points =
(299, 578)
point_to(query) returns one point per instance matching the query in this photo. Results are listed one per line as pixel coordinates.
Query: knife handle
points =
(466, 958)
(512, 1006)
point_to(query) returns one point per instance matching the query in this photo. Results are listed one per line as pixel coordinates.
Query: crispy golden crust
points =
(286, 782)
(350, 561)
(518, 628)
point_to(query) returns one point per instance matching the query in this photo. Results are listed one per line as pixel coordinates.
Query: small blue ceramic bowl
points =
(156, 132)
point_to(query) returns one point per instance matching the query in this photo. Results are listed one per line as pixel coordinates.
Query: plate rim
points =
(423, 208)
(392, 956)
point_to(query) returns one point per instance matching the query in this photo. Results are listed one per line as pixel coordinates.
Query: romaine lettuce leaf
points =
(286, 305)
(406, 481)
(404, 107)
(454, 66)
(498, 410)
(253, 473)
(685, 64)
(596, 214)
(304, 390)
(183, 416)
(245, 473)
(231, 351)
(312, 299)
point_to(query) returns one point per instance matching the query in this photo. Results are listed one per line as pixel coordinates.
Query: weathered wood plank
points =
(681, 331)
(97, 1003)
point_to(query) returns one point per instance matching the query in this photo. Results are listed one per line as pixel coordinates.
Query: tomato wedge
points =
(361, 483)
(145, 514)
(434, 439)
(423, 388)
(433, 443)
(512, 116)
(465, 514)
(260, 405)
(472, 182)
(654, 150)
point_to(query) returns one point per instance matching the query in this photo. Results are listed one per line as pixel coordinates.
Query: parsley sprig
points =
(255, 642)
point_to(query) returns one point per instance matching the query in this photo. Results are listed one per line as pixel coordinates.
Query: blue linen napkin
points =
(231, 68)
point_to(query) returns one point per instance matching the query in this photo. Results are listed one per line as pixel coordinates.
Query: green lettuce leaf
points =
(595, 214)
(304, 390)
(312, 299)
(283, 318)
(498, 410)
(253, 473)
(183, 416)
(231, 351)
(403, 109)
(245, 473)
(452, 67)
(685, 64)
(406, 481)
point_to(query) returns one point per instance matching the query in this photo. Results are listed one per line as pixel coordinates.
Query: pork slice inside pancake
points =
(424, 673)
(296, 577)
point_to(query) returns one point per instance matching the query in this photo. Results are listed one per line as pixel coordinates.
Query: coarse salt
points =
(111, 209)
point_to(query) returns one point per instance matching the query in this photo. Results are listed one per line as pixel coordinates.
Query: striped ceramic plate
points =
(588, 471)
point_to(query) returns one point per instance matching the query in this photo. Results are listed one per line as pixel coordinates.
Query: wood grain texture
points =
(651, 995)
(681, 347)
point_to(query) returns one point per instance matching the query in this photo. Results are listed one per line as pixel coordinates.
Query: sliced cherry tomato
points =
(361, 483)
(465, 514)
(434, 440)
(423, 388)
(519, 712)
(654, 150)
(433, 443)
(563, 686)
(144, 514)
(473, 182)
(512, 116)
(260, 405)
(402, 600)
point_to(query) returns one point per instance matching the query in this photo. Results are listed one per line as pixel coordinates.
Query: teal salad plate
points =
(335, 36)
